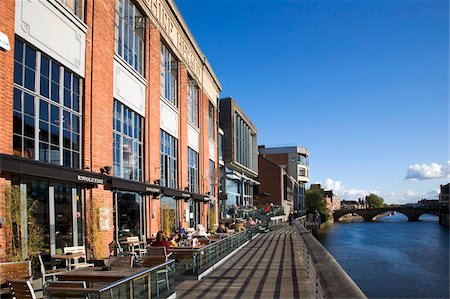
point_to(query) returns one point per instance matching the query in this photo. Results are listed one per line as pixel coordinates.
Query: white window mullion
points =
(36, 105)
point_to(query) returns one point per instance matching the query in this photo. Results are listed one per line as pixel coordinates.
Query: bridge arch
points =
(340, 218)
(406, 217)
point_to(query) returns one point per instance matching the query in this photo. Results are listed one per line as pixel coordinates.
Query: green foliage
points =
(375, 201)
(26, 241)
(315, 200)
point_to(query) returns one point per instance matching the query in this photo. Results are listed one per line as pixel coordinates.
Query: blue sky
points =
(362, 84)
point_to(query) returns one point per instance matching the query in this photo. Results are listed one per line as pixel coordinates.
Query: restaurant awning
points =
(11, 165)
(175, 193)
(116, 183)
(200, 197)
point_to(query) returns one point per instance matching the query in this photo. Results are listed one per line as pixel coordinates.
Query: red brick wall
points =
(98, 104)
(153, 122)
(271, 179)
(7, 9)
(279, 159)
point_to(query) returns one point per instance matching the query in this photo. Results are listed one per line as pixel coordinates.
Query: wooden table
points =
(97, 275)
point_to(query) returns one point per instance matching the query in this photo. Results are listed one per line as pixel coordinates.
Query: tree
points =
(315, 200)
(375, 201)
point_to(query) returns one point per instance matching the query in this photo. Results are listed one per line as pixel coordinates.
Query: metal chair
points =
(49, 273)
(21, 289)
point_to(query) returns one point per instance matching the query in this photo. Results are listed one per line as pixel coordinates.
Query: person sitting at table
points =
(221, 229)
(250, 222)
(238, 226)
(174, 240)
(181, 229)
(161, 241)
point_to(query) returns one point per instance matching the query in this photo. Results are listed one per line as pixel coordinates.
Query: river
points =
(393, 258)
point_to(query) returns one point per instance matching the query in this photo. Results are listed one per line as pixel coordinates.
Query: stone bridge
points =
(413, 213)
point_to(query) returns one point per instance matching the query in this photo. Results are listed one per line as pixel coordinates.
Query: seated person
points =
(221, 229)
(174, 240)
(238, 226)
(181, 229)
(200, 232)
(161, 241)
(250, 222)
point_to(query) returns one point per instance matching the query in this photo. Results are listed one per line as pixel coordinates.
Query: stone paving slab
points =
(270, 266)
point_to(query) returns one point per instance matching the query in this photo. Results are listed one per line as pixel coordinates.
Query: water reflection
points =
(392, 257)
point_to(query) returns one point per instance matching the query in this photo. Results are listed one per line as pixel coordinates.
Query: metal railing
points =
(155, 282)
(195, 261)
(312, 273)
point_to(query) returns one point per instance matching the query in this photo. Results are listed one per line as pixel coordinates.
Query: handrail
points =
(123, 280)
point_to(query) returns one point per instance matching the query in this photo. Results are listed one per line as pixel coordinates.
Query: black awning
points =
(200, 197)
(175, 193)
(11, 165)
(116, 183)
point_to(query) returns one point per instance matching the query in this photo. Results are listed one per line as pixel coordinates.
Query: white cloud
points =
(345, 193)
(410, 196)
(427, 171)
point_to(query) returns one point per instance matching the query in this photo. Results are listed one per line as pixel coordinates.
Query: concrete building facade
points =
(295, 160)
(109, 112)
(240, 156)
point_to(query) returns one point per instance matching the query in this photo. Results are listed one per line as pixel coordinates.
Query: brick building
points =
(108, 112)
(277, 186)
(295, 160)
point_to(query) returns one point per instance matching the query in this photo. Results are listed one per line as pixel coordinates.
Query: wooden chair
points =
(21, 289)
(135, 245)
(156, 256)
(13, 271)
(77, 250)
(121, 261)
(66, 289)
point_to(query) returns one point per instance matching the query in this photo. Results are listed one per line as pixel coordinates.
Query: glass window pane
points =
(67, 158)
(66, 139)
(76, 82)
(17, 123)
(54, 154)
(29, 79)
(66, 120)
(43, 131)
(18, 73)
(75, 160)
(75, 123)
(43, 110)
(55, 92)
(30, 58)
(54, 115)
(18, 50)
(45, 66)
(28, 148)
(17, 102)
(75, 142)
(67, 99)
(43, 152)
(44, 91)
(76, 102)
(55, 72)
(28, 126)
(54, 135)
(28, 104)
(17, 145)
(67, 79)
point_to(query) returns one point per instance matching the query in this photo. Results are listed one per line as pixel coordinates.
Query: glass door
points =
(129, 215)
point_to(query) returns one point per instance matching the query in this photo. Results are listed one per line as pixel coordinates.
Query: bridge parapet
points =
(412, 213)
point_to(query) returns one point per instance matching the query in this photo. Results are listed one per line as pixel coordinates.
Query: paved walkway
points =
(270, 266)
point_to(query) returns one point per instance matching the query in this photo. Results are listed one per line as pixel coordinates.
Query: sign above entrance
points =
(90, 180)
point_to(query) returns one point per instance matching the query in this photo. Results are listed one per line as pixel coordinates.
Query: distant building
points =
(333, 202)
(240, 156)
(444, 198)
(277, 186)
(295, 160)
